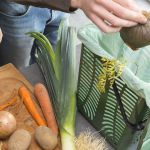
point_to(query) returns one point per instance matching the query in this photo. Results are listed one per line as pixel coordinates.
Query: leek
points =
(59, 70)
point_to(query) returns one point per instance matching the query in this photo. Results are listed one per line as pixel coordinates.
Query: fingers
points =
(104, 26)
(123, 12)
(128, 4)
(111, 15)
(112, 19)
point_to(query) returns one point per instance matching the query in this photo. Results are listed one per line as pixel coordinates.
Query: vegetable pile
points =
(59, 70)
(15, 132)
(45, 137)
(21, 139)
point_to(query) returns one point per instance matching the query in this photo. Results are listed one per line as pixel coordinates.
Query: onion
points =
(7, 124)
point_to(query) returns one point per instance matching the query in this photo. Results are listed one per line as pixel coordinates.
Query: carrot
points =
(26, 97)
(42, 96)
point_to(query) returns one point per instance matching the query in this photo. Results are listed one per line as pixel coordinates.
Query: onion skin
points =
(137, 36)
(7, 124)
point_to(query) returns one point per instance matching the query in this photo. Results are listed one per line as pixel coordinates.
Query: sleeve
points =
(62, 5)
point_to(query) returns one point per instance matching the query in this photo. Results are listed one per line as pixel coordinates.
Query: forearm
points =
(63, 5)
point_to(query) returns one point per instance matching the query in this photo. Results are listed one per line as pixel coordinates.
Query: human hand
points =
(1, 35)
(111, 15)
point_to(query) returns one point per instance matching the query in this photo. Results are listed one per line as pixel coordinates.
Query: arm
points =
(108, 15)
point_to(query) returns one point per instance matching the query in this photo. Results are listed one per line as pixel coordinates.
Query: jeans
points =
(16, 45)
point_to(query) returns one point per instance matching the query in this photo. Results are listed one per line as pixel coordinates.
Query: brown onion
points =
(137, 36)
(7, 124)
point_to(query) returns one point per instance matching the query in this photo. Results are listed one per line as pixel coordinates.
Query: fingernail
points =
(143, 19)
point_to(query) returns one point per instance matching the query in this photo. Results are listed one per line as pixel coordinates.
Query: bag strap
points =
(137, 126)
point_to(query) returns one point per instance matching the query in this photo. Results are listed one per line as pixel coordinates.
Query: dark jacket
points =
(63, 5)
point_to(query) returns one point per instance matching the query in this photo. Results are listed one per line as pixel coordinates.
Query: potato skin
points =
(46, 138)
(19, 140)
(137, 36)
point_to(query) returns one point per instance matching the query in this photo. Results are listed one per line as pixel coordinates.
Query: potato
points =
(137, 36)
(46, 138)
(7, 124)
(19, 140)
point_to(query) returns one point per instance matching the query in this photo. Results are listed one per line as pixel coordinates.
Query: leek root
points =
(89, 141)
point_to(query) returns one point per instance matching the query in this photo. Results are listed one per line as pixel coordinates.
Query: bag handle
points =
(137, 126)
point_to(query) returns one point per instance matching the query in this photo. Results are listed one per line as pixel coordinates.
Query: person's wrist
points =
(75, 4)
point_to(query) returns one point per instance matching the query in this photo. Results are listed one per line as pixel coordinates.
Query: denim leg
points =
(16, 45)
(15, 23)
(51, 29)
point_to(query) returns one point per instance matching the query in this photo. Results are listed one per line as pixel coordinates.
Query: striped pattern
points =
(102, 110)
